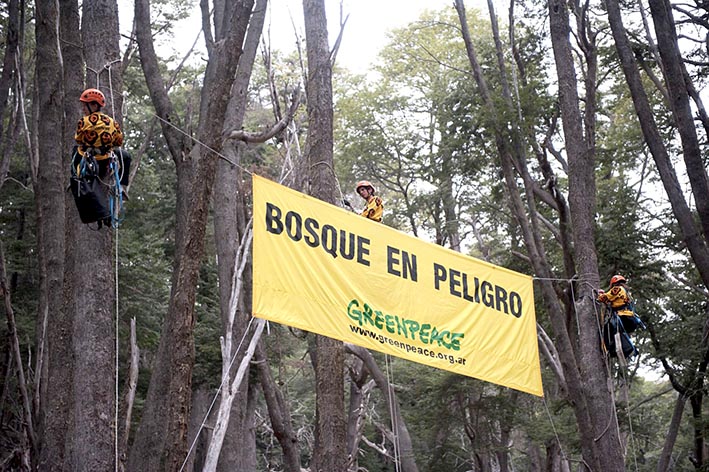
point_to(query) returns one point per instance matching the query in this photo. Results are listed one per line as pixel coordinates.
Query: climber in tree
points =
(100, 134)
(375, 208)
(621, 302)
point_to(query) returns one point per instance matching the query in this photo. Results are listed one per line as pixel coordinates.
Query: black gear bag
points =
(90, 195)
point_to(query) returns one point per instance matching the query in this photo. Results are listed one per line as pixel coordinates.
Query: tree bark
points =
(330, 453)
(230, 221)
(580, 150)
(405, 448)
(90, 284)
(675, 77)
(161, 441)
(279, 413)
(512, 157)
(9, 73)
(664, 462)
(27, 414)
(56, 392)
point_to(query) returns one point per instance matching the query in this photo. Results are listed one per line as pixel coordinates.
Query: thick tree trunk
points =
(161, 441)
(230, 217)
(57, 370)
(330, 452)
(279, 413)
(582, 204)
(91, 282)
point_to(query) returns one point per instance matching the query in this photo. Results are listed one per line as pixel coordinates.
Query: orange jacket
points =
(618, 297)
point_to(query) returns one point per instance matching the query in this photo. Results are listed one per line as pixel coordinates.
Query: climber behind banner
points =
(98, 159)
(620, 319)
(374, 210)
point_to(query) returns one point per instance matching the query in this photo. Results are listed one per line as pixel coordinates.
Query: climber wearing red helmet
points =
(619, 299)
(375, 207)
(100, 134)
(96, 130)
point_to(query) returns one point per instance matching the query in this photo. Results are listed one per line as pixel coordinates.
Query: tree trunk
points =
(664, 462)
(230, 216)
(582, 203)
(677, 88)
(56, 393)
(161, 440)
(279, 413)
(90, 281)
(696, 246)
(330, 453)
(405, 447)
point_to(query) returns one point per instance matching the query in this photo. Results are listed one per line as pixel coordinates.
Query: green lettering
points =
(378, 319)
(424, 333)
(455, 341)
(353, 312)
(389, 320)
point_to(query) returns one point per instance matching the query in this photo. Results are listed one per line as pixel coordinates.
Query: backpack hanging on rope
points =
(86, 187)
(96, 200)
(616, 339)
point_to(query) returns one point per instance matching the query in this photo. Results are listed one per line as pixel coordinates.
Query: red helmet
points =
(617, 279)
(93, 95)
(364, 183)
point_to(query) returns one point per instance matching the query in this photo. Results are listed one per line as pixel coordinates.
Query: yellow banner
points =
(323, 269)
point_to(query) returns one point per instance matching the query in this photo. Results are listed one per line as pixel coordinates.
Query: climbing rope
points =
(115, 419)
(116, 205)
(389, 369)
(608, 372)
(216, 395)
(553, 428)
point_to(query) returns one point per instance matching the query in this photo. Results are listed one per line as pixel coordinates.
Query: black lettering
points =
(410, 266)
(501, 299)
(392, 252)
(455, 282)
(329, 240)
(273, 219)
(466, 293)
(487, 294)
(311, 238)
(515, 304)
(295, 232)
(439, 275)
(347, 250)
(362, 250)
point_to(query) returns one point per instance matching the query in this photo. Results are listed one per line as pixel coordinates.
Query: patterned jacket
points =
(374, 209)
(100, 132)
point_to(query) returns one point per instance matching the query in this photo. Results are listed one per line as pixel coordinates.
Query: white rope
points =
(394, 423)
(116, 197)
(624, 372)
(115, 419)
(553, 428)
(222, 156)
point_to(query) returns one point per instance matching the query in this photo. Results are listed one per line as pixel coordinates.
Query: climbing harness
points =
(94, 202)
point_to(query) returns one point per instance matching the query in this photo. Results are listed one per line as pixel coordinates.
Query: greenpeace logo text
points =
(411, 329)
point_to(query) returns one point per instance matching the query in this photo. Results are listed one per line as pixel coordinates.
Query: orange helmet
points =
(93, 95)
(364, 183)
(617, 279)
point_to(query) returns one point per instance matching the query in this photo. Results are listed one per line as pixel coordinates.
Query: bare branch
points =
(264, 136)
